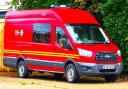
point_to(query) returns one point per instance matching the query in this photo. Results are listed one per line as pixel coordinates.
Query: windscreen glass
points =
(84, 33)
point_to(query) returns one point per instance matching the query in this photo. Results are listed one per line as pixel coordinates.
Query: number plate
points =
(108, 67)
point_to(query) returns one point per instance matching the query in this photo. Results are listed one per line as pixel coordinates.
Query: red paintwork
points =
(57, 17)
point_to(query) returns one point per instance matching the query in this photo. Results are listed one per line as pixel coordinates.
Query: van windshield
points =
(87, 34)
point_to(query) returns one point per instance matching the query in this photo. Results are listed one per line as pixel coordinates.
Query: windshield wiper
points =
(89, 43)
(95, 42)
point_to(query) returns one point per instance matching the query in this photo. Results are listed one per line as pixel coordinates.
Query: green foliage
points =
(115, 20)
(37, 4)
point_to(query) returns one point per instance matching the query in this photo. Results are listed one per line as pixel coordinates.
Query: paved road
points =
(47, 81)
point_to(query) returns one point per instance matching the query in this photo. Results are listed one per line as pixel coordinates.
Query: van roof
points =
(67, 15)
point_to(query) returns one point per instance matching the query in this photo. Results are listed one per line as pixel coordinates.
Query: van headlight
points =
(83, 52)
(119, 53)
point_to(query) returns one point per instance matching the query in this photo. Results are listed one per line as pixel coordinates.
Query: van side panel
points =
(39, 56)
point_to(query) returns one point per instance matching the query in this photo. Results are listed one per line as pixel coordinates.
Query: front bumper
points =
(97, 69)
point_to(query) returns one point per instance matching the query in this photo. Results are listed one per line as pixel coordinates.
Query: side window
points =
(62, 39)
(41, 33)
(60, 34)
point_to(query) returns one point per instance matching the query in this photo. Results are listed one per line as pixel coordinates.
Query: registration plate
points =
(108, 67)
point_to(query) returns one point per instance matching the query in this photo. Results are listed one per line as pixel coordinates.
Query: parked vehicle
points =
(62, 41)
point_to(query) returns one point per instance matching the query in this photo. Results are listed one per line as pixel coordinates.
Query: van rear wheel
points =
(22, 70)
(71, 73)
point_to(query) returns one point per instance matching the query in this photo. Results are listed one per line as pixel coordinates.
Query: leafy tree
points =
(37, 4)
(115, 19)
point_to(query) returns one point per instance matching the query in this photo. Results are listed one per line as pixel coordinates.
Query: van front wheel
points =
(22, 70)
(71, 73)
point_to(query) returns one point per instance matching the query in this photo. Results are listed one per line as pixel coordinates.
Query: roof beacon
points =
(57, 5)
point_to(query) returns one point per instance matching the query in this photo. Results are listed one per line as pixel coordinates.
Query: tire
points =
(22, 70)
(71, 73)
(58, 75)
(110, 78)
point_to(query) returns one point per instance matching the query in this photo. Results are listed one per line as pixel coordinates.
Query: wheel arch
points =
(20, 58)
(71, 61)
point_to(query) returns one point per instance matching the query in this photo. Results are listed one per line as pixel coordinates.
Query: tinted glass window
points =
(2, 15)
(60, 34)
(85, 33)
(41, 33)
(62, 39)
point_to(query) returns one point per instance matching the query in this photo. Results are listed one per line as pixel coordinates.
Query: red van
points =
(62, 41)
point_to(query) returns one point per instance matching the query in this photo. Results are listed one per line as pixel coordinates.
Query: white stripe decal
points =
(10, 57)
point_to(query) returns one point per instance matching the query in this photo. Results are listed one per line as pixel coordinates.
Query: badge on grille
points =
(107, 56)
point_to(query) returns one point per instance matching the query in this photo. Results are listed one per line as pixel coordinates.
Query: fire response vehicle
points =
(62, 41)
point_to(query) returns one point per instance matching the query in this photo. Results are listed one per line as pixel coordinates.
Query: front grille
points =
(107, 70)
(106, 57)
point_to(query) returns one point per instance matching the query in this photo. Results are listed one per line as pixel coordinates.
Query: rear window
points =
(2, 15)
(41, 33)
